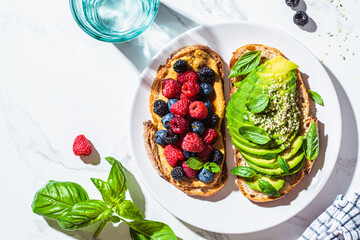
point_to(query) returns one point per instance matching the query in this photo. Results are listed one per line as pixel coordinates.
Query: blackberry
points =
(159, 137)
(292, 3)
(301, 18)
(188, 155)
(206, 75)
(171, 102)
(170, 137)
(180, 66)
(160, 107)
(216, 156)
(166, 120)
(177, 173)
(211, 120)
(205, 90)
(197, 127)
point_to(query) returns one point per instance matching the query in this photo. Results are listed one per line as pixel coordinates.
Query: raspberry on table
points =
(180, 66)
(173, 154)
(189, 172)
(206, 75)
(177, 173)
(205, 154)
(180, 108)
(160, 107)
(216, 156)
(192, 143)
(209, 136)
(187, 76)
(198, 110)
(190, 89)
(170, 88)
(170, 137)
(179, 125)
(82, 146)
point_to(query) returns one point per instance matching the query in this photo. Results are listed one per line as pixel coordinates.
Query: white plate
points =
(229, 211)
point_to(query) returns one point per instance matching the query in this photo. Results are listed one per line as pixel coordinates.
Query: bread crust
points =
(303, 103)
(150, 129)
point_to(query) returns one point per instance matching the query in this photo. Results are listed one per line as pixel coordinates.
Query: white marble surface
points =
(56, 82)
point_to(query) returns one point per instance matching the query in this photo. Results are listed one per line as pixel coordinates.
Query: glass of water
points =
(114, 20)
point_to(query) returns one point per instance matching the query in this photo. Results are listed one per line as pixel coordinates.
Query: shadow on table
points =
(167, 25)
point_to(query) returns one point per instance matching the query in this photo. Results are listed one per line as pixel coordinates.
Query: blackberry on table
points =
(301, 18)
(292, 3)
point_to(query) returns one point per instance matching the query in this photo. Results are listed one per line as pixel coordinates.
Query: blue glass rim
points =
(113, 38)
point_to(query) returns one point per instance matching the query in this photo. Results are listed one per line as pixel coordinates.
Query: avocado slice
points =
(277, 65)
(277, 183)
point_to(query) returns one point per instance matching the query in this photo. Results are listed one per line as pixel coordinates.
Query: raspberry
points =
(180, 108)
(198, 110)
(179, 125)
(192, 143)
(187, 99)
(173, 154)
(82, 146)
(204, 155)
(170, 88)
(189, 172)
(187, 76)
(190, 89)
(209, 136)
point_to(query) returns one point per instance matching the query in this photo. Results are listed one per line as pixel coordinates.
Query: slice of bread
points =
(199, 56)
(306, 121)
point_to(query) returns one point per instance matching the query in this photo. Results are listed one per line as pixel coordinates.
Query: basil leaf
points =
(129, 210)
(316, 97)
(55, 199)
(246, 63)
(258, 104)
(267, 188)
(115, 219)
(195, 163)
(84, 214)
(150, 230)
(212, 167)
(311, 145)
(255, 134)
(247, 172)
(107, 194)
(117, 179)
(283, 164)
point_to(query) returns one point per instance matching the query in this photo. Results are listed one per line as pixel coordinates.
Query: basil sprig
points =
(283, 165)
(196, 164)
(69, 204)
(212, 167)
(258, 104)
(316, 97)
(242, 171)
(246, 63)
(267, 188)
(311, 143)
(255, 134)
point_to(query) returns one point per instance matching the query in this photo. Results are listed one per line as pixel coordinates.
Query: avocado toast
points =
(185, 139)
(268, 121)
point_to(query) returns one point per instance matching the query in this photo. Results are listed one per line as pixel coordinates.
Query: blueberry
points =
(301, 18)
(206, 75)
(180, 66)
(206, 102)
(177, 173)
(171, 102)
(188, 155)
(206, 176)
(205, 90)
(211, 120)
(166, 120)
(216, 156)
(170, 137)
(159, 137)
(197, 127)
(160, 107)
(292, 3)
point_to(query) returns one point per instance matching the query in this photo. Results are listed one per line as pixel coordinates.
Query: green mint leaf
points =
(283, 164)
(109, 197)
(55, 199)
(117, 179)
(84, 214)
(258, 104)
(255, 134)
(267, 188)
(311, 143)
(195, 163)
(115, 219)
(150, 230)
(316, 97)
(247, 172)
(246, 63)
(128, 210)
(212, 167)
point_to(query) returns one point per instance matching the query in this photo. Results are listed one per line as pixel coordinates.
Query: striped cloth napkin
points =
(340, 221)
